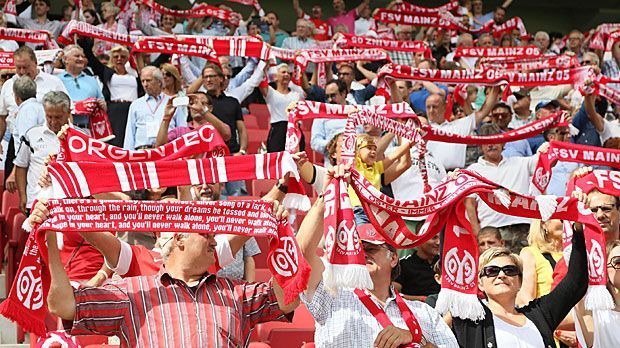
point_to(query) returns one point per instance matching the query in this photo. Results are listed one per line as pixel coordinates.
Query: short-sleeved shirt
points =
(228, 110)
(160, 311)
(372, 173)
(418, 98)
(348, 19)
(417, 276)
(610, 130)
(45, 83)
(80, 259)
(322, 31)
(452, 155)
(236, 268)
(28, 114)
(81, 87)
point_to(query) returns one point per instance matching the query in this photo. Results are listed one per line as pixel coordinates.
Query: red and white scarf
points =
(237, 46)
(197, 11)
(612, 39)
(599, 39)
(408, 7)
(10, 11)
(253, 3)
(323, 56)
(27, 300)
(353, 41)
(498, 52)
(99, 124)
(524, 64)
(173, 45)
(75, 146)
(41, 37)
(77, 28)
(6, 60)
(569, 152)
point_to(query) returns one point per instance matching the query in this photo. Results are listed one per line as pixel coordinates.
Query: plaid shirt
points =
(343, 321)
(160, 311)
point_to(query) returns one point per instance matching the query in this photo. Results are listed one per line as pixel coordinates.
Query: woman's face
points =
(107, 12)
(614, 274)
(119, 59)
(284, 75)
(167, 21)
(554, 229)
(501, 285)
(88, 18)
(168, 78)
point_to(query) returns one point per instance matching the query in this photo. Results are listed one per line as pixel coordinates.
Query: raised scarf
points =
(322, 56)
(612, 39)
(75, 146)
(498, 52)
(99, 124)
(408, 7)
(6, 60)
(238, 46)
(569, 152)
(41, 37)
(173, 45)
(78, 28)
(10, 11)
(353, 41)
(27, 300)
(522, 64)
(197, 11)
(601, 34)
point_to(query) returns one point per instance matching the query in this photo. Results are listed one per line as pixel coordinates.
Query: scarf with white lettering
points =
(197, 11)
(498, 52)
(523, 64)
(569, 152)
(74, 29)
(171, 45)
(603, 88)
(41, 37)
(6, 60)
(99, 124)
(353, 41)
(408, 7)
(322, 56)
(27, 300)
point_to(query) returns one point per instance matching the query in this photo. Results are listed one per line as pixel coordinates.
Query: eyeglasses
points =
(500, 114)
(168, 74)
(562, 132)
(493, 271)
(605, 208)
(206, 77)
(614, 262)
(343, 73)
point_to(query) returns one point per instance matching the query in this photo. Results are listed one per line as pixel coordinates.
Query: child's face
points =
(368, 154)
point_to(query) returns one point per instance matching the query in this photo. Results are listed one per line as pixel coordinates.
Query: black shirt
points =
(228, 110)
(417, 276)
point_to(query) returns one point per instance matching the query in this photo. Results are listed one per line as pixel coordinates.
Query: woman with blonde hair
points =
(173, 84)
(109, 11)
(539, 259)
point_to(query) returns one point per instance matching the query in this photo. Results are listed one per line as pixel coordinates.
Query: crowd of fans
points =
(529, 300)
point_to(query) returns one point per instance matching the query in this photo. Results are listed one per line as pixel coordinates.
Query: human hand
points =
(39, 212)
(393, 337)
(10, 184)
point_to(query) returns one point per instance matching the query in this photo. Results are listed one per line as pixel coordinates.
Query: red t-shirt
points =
(144, 262)
(322, 31)
(81, 260)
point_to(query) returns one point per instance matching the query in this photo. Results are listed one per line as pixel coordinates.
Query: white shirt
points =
(514, 173)
(8, 45)
(362, 25)
(29, 114)
(39, 143)
(606, 328)
(45, 83)
(277, 102)
(610, 130)
(511, 336)
(452, 155)
(123, 87)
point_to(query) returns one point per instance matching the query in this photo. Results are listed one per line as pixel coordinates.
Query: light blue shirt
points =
(81, 87)
(517, 148)
(145, 116)
(559, 177)
(30, 113)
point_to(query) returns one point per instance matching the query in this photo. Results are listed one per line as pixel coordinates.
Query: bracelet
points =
(103, 272)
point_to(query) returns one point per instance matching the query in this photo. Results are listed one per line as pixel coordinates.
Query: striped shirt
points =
(160, 311)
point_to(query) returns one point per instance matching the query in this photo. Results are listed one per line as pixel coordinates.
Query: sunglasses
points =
(614, 262)
(586, 62)
(344, 73)
(500, 114)
(493, 271)
(168, 74)
(605, 208)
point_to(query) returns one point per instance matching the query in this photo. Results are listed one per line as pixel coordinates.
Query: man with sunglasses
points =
(356, 93)
(346, 319)
(501, 115)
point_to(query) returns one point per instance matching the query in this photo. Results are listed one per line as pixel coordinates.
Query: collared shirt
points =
(144, 118)
(401, 58)
(37, 144)
(228, 110)
(81, 87)
(29, 114)
(343, 320)
(54, 27)
(45, 83)
(160, 311)
(452, 155)
(236, 268)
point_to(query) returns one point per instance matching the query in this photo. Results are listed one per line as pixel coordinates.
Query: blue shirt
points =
(587, 133)
(81, 87)
(144, 118)
(559, 177)
(418, 98)
(517, 148)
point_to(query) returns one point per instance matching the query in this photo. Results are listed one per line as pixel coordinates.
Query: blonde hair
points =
(495, 252)
(539, 238)
(118, 48)
(167, 67)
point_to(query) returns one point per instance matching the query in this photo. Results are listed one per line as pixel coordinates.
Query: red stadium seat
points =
(261, 112)
(284, 338)
(250, 122)
(262, 274)
(262, 187)
(15, 247)
(308, 345)
(302, 320)
(10, 206)
(260, 260)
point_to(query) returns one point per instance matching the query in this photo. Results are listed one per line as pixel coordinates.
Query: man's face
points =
(430, 247)
(75, 59)
(24, 66)
(40, 8)
(271, 17)
(303, 31)
(198, 99)
(498, 16)
(365, 13)
(606, 213)
(333, 96)
(379, 260)
(492, 152)
(574, 41)
(211, 80)
(560, 134)
(405, 34)
(542, 41)
(435, 108)
(523, 102)
(317, 12)
(56, 117)
(485, 41)
(466, 41)
(501, 117)
(338, 6)
(476, 6)
(227, 76)
(200, 248)
(546, 111)
(152, 86)
(402, 88)
(345, 73)
(488, 241)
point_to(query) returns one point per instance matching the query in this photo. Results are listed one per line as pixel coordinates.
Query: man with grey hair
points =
(464, 40)
(29, 111)
(543, 41)
(37, 144)
(79, 85)
(147, 112)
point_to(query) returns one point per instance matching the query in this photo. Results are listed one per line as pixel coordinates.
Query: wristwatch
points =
(282, 187)
(243, 152)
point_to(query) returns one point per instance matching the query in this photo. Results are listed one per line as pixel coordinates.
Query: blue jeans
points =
(235, 188)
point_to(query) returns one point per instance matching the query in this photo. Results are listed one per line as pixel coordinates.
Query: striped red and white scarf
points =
(99, 124)
(353, 41)
(75, 29)
(408, 7)
(41, 37)
(27, 300)
(171, 45)
(197, 11)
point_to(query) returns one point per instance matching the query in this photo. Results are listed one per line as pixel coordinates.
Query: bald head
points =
(435, 108)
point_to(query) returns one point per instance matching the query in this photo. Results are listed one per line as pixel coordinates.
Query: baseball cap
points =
(368, 234)
(545, 103)
(521, 93)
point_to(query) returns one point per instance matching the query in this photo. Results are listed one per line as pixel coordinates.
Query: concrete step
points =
(8, 332)
(3, 293)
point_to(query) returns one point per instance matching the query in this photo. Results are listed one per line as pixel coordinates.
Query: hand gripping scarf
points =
(41, 37)
(569, 152)
(353, 41)
(27, 300)
(197, 11)
(460, 251)
(408, 7)
(99, 124)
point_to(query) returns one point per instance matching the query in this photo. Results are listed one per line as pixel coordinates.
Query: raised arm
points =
(60, 299)
(400, 151)
(361, 6)
(528, 286)
(308, 237)
(597, 120)
(489, 102)
(399, 167)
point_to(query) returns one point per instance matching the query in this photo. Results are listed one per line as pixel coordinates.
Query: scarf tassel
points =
(346, 276)
(460, 305)
(598, 298)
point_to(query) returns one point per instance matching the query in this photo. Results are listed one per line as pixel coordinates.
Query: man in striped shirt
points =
(181, 306)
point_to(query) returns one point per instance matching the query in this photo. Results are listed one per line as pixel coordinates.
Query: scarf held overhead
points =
(197, 11)
(26, 303)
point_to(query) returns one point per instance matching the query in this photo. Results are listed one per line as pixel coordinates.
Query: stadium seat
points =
(16, 245)
(308, 345)
(262, 187)
(10, 206)
(302, 320)
(284, 337)
(250, 122)
(261, 112)
(262, 274)
(260, 260)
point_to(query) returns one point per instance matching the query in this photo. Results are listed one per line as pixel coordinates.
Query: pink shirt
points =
(347, 19)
